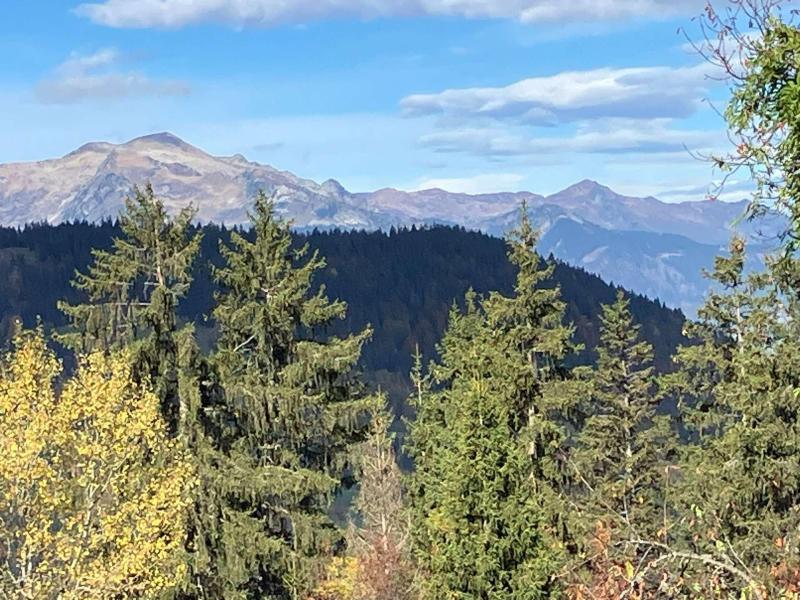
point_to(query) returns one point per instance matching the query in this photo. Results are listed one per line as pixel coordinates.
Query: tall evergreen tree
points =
(532, 338)
(294, 407)
(132, 295)
(485, 443)
(133, 291)
(621, 457)
(741, 479)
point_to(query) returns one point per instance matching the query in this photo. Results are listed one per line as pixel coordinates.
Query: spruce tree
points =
(294, 407)
(533, 339)
(133, 292)
(132, 295)
(621, 457)
(201, 395)
(741, 478)
(486, 439)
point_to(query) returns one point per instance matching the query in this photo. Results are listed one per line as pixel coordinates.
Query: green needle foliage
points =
(485, 444)
(531, 341)
(622, 452)
(133, 291)
(294, 411)
(739, 385)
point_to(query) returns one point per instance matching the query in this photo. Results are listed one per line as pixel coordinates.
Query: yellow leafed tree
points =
(93, 493)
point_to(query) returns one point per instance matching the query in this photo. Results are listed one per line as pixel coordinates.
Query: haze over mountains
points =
(646, 245)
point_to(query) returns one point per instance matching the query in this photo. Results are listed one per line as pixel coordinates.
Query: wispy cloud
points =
(476, 184)
(268, 146)
(622, 111)
(99, 76)
(608, 137)
(733, 190)
(180, 13)
(645, 93)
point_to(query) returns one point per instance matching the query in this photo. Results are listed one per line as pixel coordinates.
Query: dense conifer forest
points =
(215, 399)
(402, 283)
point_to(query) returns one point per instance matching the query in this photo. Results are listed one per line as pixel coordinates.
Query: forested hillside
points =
(402, 282)
(199, 414)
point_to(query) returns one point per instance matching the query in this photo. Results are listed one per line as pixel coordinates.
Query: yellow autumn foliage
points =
(340, 580)
(93, 493)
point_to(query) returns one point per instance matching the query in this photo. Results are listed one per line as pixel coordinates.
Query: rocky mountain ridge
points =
(587, 224)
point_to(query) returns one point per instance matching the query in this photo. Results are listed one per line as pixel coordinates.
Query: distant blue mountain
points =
(659, 265)
(649, 246)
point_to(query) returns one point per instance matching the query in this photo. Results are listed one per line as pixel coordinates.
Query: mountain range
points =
(655, 248)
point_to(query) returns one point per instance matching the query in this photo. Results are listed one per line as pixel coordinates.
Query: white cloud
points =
(180, 13)
(625, 111)
(731, 191)
(647, 93)
(608, 137)
(487, 183)
(97, 76)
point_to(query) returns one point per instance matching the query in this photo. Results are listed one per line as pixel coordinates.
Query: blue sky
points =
(470, 95)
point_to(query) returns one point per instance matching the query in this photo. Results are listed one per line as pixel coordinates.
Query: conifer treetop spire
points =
(133, 291)
(295, 409)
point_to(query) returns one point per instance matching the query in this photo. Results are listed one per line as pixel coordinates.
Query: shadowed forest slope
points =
(403, 283)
